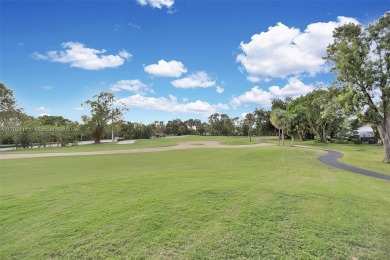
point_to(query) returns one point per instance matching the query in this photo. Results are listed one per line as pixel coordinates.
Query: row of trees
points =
(105, 119)
(316, 115)
(106, 113)
(24, 131)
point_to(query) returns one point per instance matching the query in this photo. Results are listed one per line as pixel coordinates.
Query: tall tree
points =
(280, 119)
(159, 128)
(299, 125)
(173, 126)
(361, 58)
(280, 103)
(9, 112)
(263, 123)
(103, 110)
(203, 128)
(319, 112)
(221, 124)
(249, 121)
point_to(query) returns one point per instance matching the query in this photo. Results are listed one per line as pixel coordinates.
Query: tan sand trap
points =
(179, 146)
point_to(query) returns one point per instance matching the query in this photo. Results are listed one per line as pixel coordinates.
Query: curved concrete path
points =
(179, 146)
(332, 159)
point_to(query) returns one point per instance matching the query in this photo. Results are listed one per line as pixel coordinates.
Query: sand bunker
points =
(179, 146)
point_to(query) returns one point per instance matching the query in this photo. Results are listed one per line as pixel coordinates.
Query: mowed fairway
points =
(266, 202)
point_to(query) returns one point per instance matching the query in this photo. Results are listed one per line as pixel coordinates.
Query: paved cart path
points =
(332, 159)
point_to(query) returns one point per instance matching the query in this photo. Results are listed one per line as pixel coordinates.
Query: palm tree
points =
(249, 121)
(280, 120)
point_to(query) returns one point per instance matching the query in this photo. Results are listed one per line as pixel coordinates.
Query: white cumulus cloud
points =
(135, 86)
(257, 96)
(196, 80)
(283, 51)
(294, 88)
(79, 56)
(172, 105)
(163, 68)
(219, 89)
(253, 79)
(157, 3)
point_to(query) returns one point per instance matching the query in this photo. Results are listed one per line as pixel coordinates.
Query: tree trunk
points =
(384, 133)
(279, 136)
(282, 136)
(112, 133)
(97, 134)
(324, 135)
(386, 146)
(292, 141)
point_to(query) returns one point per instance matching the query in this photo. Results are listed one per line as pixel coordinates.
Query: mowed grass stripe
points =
(269, 202)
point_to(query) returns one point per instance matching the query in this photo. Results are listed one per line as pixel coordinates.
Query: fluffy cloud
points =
(172, 68)
(79, 56)
(257, 96)
(157, 3)
(219, 89)
(283, 51)
(253, 79)
(196, 80)
(135, 86)
(294, 88)
(172, 105)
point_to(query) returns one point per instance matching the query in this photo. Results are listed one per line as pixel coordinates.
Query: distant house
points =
(365, 131)
(365, 135)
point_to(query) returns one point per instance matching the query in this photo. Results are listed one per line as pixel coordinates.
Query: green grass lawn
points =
(262, 203)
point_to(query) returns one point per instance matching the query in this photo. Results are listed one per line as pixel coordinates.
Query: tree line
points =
(105, 122)
(313, 116)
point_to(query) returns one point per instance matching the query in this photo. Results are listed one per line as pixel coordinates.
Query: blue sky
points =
(169, 59)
